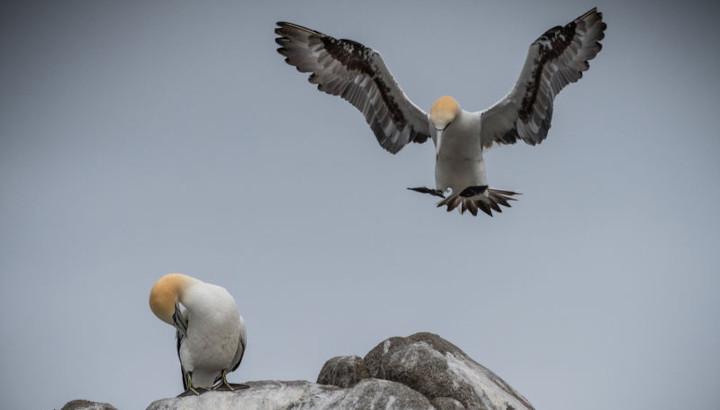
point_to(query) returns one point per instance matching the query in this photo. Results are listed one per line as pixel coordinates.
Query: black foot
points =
(426, 190)
(473, 190)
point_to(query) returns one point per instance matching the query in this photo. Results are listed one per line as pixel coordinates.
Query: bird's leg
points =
(188, 380)
(224, 382)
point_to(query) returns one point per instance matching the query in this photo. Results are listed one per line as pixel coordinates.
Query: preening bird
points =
(211, 335)
(358, 74)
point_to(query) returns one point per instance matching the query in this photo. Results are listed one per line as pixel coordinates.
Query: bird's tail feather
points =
(487, 203)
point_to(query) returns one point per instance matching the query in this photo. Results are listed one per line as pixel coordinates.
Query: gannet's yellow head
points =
(444, 111)
(166, 292)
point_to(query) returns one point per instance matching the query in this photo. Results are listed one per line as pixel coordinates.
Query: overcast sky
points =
(143, 138)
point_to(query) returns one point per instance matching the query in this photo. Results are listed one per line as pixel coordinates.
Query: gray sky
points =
(142, 138)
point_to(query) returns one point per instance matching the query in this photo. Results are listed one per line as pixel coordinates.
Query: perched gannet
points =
(359, 75)
(211, 336)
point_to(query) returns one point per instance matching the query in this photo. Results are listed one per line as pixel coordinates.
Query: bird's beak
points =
(438, 137)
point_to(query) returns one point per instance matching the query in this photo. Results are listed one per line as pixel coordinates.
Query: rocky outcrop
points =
(303, 395)
(86, 405)
(343, 371)
(443, 373)
(422, 371)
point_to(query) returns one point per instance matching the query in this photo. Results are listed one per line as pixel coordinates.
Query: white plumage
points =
(211, 335)
(358, 74)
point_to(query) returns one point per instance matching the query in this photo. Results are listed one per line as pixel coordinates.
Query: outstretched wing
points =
(359, 75)
(554, 60)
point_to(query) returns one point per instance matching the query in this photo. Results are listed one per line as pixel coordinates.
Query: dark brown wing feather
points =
(554, 60)
(357, 74)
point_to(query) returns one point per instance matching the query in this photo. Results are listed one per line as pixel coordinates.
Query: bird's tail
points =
(486, 202)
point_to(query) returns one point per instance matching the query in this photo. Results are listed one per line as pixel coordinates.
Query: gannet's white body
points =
(211, 335)
(359, 75)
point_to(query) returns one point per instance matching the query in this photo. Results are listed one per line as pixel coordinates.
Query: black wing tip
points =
(590, 13)
(284, 24)
(280, 30)
(283, 27)
(593, 12)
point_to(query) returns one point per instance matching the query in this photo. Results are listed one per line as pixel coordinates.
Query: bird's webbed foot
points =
(225, 386)
(190, 388)
(426, 190)
(473, 190)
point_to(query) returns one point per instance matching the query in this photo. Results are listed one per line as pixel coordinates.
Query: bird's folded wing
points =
(554, 60)
(357, 74)
(180, 322)
(242, 344)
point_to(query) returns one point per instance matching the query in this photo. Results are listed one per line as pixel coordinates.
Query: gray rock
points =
(436, 368)
(303, 395)
(260, 395)
(380, 394)
(87, 405)
(418, 372)
(343, 371)
(447, 403)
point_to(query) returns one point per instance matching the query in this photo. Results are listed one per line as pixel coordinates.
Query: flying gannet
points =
(359, 75)
(211, 335)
